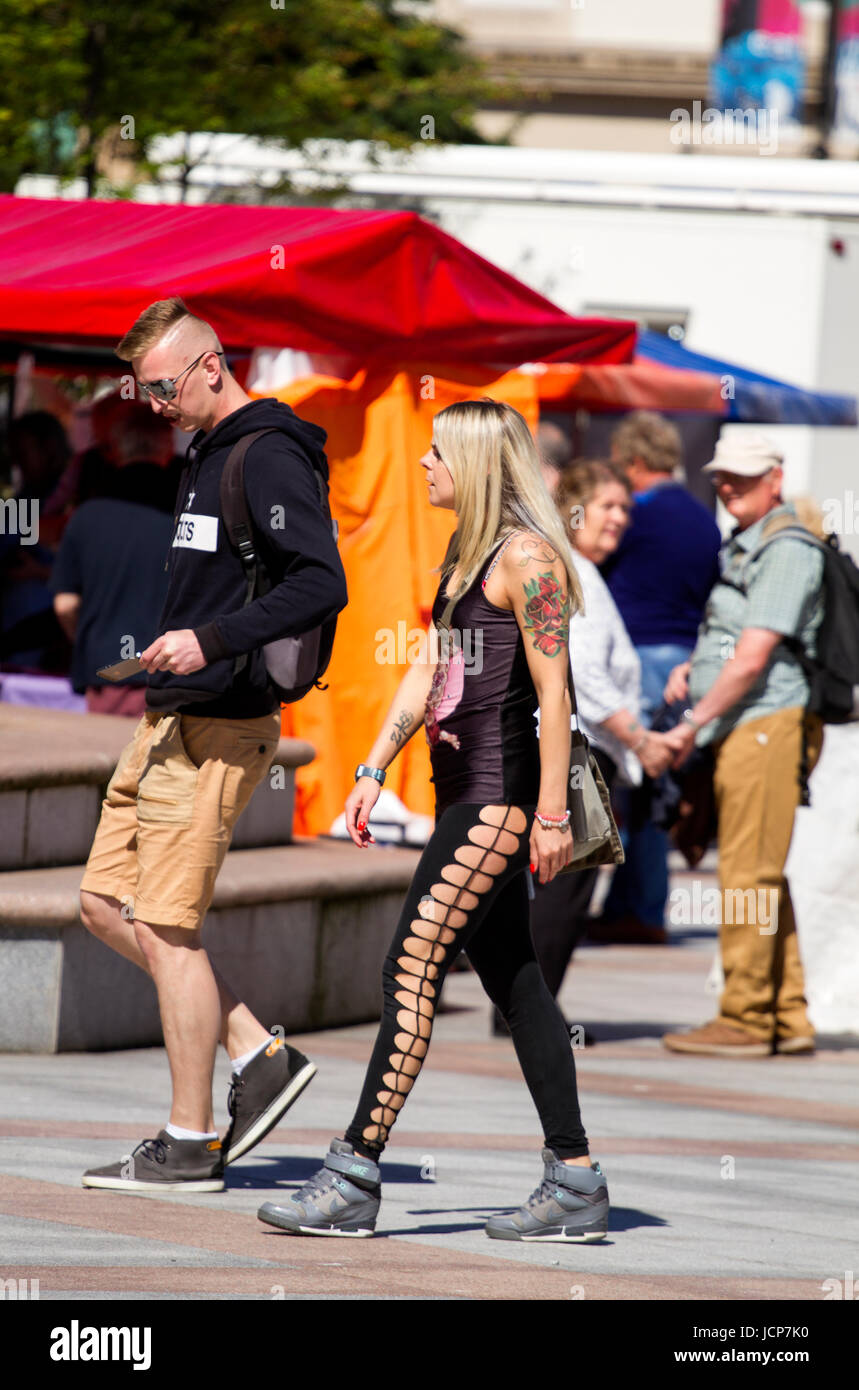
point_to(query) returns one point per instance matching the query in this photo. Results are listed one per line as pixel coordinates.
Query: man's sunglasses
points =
(164, 389)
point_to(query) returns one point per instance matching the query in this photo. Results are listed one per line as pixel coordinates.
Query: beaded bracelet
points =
(553, 822)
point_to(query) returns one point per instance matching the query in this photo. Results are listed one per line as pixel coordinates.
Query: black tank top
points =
(479, 715)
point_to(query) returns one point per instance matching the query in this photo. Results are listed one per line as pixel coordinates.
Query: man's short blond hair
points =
(154, 324)
(649, 437)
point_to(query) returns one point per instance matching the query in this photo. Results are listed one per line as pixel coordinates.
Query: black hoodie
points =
(206, 586)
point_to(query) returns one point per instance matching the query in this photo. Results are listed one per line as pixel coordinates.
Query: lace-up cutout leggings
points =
(469, 893)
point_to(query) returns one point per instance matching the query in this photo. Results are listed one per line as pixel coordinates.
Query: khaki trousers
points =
(167, 820)
(757, 793)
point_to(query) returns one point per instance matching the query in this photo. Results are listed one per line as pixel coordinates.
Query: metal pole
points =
(828, 94)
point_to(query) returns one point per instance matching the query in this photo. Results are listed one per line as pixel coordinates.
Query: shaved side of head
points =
(192, 335)
(168, 323)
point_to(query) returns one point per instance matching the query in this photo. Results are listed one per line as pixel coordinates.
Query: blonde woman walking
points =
(509, 582)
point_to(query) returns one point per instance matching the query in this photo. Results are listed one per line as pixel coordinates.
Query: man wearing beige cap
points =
(747, 695)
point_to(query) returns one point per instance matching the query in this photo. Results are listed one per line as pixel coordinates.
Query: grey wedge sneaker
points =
(571, 1204)
(342, 1199)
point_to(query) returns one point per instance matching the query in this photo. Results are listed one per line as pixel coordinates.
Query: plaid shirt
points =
(783, 594)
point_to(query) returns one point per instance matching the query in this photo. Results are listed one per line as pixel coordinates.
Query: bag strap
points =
(572, 686)
(234, 506)
(234, 509)
(782, 526)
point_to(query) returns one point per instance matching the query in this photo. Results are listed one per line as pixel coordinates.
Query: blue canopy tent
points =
(752, 398)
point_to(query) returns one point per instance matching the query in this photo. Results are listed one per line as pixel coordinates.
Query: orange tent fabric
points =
(379, 425)
(637, 386)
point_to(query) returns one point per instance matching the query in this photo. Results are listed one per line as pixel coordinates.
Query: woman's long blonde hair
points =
(488, 449)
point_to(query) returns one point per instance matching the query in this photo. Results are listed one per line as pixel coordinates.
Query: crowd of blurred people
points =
(647, 556)
(691, 667)
(88, 574)
(85, 587)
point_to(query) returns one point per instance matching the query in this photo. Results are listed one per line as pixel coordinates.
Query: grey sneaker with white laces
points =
(571, 1204)
(342, 1199)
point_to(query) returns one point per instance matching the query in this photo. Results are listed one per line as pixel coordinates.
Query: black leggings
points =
(469, 893)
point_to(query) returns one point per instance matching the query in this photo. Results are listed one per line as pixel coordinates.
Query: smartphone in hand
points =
(121, 670)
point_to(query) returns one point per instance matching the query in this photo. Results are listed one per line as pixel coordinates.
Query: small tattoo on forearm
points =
(402, 727)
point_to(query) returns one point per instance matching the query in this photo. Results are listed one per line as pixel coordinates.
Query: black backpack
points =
(833, 675)
(294, 664)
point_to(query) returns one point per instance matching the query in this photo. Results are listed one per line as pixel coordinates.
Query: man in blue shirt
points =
(660, 578)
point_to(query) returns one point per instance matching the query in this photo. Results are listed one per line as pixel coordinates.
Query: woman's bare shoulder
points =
(529, 552)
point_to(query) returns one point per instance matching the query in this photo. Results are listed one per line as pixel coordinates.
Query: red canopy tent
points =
(410, 316)
(375, 285)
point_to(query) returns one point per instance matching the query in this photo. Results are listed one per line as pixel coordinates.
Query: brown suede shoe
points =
(717, 1039)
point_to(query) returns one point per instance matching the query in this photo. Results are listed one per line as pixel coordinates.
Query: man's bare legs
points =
(190, 1017)
(197, 1005)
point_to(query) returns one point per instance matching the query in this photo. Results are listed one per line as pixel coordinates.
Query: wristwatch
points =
(690, 719)
(375, 772)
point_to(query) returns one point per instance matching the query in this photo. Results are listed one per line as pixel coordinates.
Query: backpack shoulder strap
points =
(236, 518)
(784, 526)
(234, 506)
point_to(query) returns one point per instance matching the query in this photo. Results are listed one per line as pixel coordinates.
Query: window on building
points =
(671, 322)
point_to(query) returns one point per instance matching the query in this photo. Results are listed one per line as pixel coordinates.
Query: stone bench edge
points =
(96, 768)
(332, 877)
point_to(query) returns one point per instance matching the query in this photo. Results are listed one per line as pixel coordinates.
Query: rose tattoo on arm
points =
(547, 614)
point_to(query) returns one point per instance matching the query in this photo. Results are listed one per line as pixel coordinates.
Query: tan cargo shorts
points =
(167, 820)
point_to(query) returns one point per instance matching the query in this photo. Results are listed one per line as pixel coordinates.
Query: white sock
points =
(238, 1063)
(177, 1132)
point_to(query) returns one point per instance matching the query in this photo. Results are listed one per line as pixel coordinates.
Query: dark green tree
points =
(82, 78)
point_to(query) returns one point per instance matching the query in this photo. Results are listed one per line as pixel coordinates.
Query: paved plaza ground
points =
(729, 1179)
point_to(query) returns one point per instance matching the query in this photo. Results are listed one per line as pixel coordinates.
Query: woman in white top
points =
(594, 500)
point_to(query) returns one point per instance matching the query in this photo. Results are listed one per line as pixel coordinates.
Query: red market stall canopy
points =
(380, 286)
